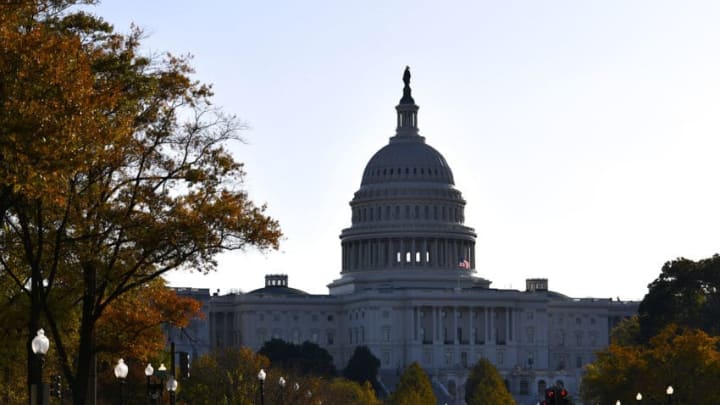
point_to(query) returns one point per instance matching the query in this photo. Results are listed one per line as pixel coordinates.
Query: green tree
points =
(485, 386)
(687, 359)
(363, 367)
(113, 171)
(686, 293)
(227, 376)
(414, 388)
(627, 332)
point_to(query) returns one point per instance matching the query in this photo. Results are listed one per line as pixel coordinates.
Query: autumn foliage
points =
(687, 359)
(114, 170)
(414, 388)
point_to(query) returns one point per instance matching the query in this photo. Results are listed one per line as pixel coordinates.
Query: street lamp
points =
(281, 383)
(638, 397)
(121, 372)
(617, 402)
(669, 391)
(171, 386)
(154, 389)
(261, 377)
(40, 346)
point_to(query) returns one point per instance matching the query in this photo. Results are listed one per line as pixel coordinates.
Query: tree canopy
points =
(305, 358)
(346, 392)
(114, 170)
(686, 293)
(485, 386)
(414, 388)
(687, 359)
(362, 367)
(226, 376)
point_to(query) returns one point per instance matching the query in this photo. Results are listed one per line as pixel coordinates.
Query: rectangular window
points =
(427, 357)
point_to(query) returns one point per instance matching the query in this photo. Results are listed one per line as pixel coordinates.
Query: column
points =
(435, 324)
(507, 325)
(413, 253)
(434, 254)
(456, 338)
(446, 258)
(470, 325)
(368, 250)
(381, 253)
(424, 253)
(402, 253)
(472, 255)
(393, 250)
(489, 321)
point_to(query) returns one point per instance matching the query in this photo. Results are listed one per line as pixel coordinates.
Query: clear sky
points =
(584, 135)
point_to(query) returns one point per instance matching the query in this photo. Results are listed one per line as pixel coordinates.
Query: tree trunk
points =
(84, 389)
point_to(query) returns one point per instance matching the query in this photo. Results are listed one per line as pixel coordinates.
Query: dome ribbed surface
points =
(407, 161)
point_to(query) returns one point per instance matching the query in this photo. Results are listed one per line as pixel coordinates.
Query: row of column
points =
(383, 253)
(463, 325)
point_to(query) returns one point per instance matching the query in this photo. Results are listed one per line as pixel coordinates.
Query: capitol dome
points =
(407, 224)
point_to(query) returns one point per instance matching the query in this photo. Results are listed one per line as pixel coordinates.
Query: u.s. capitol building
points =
(408, 290)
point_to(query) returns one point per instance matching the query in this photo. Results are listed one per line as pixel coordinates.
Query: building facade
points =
(408, 290)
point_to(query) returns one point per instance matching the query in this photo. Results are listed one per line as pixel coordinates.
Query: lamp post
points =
(281, 383)
(638, 398)
(121, 372)
(171, 386)
(40, 346)
(154, 389)
(261, 377)
(669, 391)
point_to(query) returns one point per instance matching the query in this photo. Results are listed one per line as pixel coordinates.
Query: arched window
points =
(452, 387)
(542, 386)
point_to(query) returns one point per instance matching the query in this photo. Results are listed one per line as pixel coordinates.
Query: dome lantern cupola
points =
(407, 113)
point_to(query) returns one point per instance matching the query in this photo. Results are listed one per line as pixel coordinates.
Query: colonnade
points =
(383, 253)
(472, 325)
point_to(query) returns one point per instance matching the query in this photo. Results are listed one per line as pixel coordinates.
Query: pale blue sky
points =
(584, 135)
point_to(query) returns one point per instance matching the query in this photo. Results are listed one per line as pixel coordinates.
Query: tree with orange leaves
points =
(686, 359)
(113, 171)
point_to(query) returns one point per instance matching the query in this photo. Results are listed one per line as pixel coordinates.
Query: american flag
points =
(464, 264)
